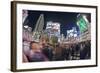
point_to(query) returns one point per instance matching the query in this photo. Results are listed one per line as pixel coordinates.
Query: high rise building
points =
(40, 23)
(24, 15)
(53, 28)
(84, 27)
(72, 32)
(38, 27)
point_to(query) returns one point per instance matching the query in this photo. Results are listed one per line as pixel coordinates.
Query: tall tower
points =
(38, 27)
(40, 23)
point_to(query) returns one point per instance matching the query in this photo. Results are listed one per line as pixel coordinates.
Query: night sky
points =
(66, 19)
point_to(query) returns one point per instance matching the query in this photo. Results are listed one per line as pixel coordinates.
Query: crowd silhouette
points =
(42, 50)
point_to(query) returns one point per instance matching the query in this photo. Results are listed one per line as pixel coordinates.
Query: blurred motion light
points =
(26, 26)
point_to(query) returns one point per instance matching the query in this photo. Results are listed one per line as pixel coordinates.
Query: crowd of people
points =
(44, 51)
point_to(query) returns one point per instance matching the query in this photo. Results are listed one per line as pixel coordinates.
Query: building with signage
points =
(84, 26)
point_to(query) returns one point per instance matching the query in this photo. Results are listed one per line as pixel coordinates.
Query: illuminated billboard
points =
(82, 22)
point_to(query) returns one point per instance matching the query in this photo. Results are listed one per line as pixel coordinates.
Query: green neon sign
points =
(82, 24)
